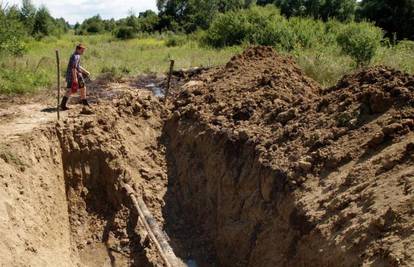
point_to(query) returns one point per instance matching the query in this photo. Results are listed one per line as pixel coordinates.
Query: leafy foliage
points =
(93, 25)
(360, 41)
(125, 32)
(12, 32)
(189, 15)
(394, 16)
(342, 10)
(176, 40)
(266, 26)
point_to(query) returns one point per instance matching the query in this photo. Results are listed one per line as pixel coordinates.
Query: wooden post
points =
(58, 84)
(167, 91)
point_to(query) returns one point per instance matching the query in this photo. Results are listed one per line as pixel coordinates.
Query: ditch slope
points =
(274, 171)
(252, 164)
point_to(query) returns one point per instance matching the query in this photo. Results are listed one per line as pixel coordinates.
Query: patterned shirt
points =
(74, 63)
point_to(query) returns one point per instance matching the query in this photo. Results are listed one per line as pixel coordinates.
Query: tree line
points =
(28, 21)
(395, 17)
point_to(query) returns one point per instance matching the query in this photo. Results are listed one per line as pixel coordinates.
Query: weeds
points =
(318, 55)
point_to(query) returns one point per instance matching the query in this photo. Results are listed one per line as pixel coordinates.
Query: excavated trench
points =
(222, 206)
(232, 179)
(216, 201)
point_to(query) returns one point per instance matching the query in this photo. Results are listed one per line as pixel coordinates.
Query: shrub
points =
(265, 26)
(360, 41)
(308, 32)
(93, 25)
(19, 81)
(261, 25)
(125, 32)
(12, 33)
(111, 74)
(227, 29)
(176, 40)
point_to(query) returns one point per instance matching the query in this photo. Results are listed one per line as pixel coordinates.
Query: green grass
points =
(36, 70)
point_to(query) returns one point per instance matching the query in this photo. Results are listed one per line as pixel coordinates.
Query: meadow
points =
(36, 70)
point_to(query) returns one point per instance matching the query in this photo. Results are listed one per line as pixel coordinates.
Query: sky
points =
(78, 10)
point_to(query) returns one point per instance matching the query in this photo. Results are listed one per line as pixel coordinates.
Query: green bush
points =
(19, 81)
(12, 32)
(112, 74)
(176, 40)
(260, 25)
(227, 30)
(360, 41)
(265, 26)
(125, 32)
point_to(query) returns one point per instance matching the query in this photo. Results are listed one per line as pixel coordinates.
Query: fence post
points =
(58, 83)
(167, 91)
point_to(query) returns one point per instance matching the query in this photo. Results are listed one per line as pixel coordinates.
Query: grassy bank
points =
(36, 69)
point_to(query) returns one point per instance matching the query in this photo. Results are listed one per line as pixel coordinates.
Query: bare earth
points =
(249, 164)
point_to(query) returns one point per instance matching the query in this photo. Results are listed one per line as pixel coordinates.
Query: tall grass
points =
(37, 69)
(322, 60)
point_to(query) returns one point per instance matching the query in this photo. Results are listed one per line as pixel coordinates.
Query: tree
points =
(360, 41)
(342, 10)
(12, 32)
(92, 25)
(28, 14)
(394, 16)
(192, 14)
(148, 21)
(43, 23)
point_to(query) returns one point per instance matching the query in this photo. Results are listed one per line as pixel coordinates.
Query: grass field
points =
(36, 70)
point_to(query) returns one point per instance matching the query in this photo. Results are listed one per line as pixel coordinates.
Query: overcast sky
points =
(77, 10)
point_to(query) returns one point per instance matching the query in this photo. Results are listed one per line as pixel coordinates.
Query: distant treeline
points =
(28, 21)
(395, 17)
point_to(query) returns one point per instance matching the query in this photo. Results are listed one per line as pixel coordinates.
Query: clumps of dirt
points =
(116, 143)
(311, 175)
(266, 84)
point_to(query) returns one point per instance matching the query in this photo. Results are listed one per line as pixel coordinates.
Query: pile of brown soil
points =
(278, 172)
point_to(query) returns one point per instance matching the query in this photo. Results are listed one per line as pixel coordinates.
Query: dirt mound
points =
(290, 174)
(251, 89)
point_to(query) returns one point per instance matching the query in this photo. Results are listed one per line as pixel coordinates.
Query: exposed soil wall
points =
(63, 200)
(34, 225)
(278, 172)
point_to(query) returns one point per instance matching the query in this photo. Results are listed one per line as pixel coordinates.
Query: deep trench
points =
(223, 207)
(92, 190)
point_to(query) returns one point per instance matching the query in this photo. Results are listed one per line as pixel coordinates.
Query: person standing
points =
(75, 77)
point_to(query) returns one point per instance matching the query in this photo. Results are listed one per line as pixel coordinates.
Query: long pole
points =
(167, 91)
(58, 83)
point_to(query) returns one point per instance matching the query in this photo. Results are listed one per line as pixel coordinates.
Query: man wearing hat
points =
(74, 77)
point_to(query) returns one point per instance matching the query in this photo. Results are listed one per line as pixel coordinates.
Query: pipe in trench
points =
(157, 236)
